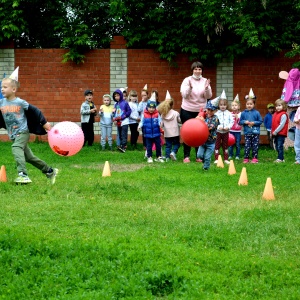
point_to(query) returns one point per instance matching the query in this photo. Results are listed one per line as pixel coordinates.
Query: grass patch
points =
(160, 231)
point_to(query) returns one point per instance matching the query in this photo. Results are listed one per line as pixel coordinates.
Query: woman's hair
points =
(281, 102)
(224, 101)
(132, 93)
(165, 106)
(196, 64)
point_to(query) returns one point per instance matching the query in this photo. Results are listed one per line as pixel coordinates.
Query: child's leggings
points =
(222, 140)
(251, 143)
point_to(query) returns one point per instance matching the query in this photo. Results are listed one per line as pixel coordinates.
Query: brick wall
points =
(57, 88)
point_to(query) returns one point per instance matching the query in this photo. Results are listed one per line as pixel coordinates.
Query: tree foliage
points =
(209, 30)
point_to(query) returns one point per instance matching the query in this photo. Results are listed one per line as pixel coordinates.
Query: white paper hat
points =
(168, 96)
(153, 97)
(123, 89)
(236, 99)
(251, 94)
(15, 74)
(145, 87)
(223, 95)
(215, 102)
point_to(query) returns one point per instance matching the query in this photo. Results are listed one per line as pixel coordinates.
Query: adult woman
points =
(195, 90)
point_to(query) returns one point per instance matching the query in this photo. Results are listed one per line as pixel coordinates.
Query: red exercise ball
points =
(194, 132)
(231, 140)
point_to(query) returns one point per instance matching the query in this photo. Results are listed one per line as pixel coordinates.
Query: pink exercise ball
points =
(194, 132)
(231, 140)
(66, 138)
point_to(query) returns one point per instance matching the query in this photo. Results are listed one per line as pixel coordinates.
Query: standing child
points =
(280, 128)
(106, 115)
(236, 128)
(297, 136)
(142, 106)
(268, 123)
(134, 118)
(20, 119)
(226, 122)
(206, 150)
(251, 121)
(150, 124)
(121, 118)
(88, 112)
(170, 124)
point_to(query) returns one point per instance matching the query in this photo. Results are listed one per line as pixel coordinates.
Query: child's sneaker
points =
(52, 175)
(145, 154)
(22, 178)
(173, 156)
(121, 149)
(279, 161)
(160, 159)
(254, 161)
(227, 162)
(230, 157)
(198, 160)
(246, 160)
(216, 161)
(237, 158)
(149, 160)
(297, 163)
(186, 160)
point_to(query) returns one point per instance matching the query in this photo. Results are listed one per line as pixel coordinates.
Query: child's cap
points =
(86, 92)
(236, 99)
(223, 95)
(168, 96)
(250, 95)
(270, 105)
(153, 97)
(213, 104)
(151, 104)
(15, 74)
(145, 87)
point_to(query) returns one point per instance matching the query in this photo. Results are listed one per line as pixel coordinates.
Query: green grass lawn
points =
(160, 231)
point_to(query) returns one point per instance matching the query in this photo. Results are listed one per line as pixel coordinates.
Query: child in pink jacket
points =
(297, 136)
(170, 123)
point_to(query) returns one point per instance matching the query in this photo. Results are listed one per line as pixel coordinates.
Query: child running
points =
(226, 122)
(279, 129)
(170, 124)
(207, 149)
(251, 121)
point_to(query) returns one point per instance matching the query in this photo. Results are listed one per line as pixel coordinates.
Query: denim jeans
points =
(237, 144)
(279, 141)
(172, 141)
(205, 152)
(123, 133)
(297, 144)
(149, 143)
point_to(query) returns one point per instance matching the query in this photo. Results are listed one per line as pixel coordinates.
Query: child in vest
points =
(150, 124)
(106, 115)
(236, 129)
(206, 150)
(226, 122)
(251, 121)
(279, 128)
(268, 122)
(170, 123)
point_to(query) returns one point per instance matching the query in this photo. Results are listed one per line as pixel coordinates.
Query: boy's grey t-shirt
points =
(14, 116)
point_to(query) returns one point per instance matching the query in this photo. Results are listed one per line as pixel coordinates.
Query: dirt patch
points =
(114, 167)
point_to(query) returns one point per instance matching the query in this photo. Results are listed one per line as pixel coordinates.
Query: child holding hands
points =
(279, 128)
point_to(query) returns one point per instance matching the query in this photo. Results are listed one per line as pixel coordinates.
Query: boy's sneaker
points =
(254, 161)
(167, 159)
(22, 178)
(230, 157)
(149, 160)
(246, 160)
(279, 161)
(237, 158)
(198, 160)
(205, 169)
(160, 159)
(52, 175)
(121, 149)
(227, 162)
(216, 161)
(173, 156)
(186, 160)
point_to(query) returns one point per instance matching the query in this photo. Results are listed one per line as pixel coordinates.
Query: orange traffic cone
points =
(268, 192)
(106, 170)
(3, 177)
(243, 177)
(231, 169)
(220, 163)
